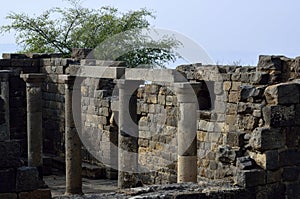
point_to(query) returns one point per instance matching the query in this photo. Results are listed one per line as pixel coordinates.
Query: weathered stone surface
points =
(247, 122)
(274, 176)
(251, 93)
(218, 88)
(234, 139)
(279, 116)
(36, 194)
(10, 152)
(8, 195)
(233, 97)
(158, 75)
(284, 93)
(205, 189)
(27, 179)
(226, 154)
(7, 181)
(293, 190)
(14, 56)
(266, 63)
(99, 72)
(289, 157)
(268, 160)
(244, 163)
(267, 139)
(250, 178)
(227, 85)
(292, 136)
(274, 190)
(187, 169)
(261, 78)
(80, 53)
(291, 173)
(242, 116)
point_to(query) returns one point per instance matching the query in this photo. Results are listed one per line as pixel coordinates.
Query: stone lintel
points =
(128, 84)
(5, 73)
(33, 77)
(156, 75)
(99, 72)
(185, 91)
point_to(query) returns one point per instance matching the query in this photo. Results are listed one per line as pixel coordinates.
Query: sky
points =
(230, 31)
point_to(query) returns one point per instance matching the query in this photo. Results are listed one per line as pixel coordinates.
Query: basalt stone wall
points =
(53, 104)
(251, 131)
(17, 180)
(95, 96)
(157, 112)
(247, 125)
(18, 63)
(53, 97)
(100, 129)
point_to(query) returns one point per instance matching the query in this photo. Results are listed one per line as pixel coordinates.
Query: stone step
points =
(93, 171)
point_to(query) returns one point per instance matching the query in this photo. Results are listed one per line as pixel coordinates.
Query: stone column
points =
(128, 134)
(187, 131)
(34, 119)
(72, 139)
(5, 126)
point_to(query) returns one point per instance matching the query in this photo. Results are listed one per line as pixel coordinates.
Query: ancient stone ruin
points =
(217, 131)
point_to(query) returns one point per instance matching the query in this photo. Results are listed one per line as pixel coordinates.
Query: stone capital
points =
(71, 81)
(128, 84)
(67, 79)
(185, 92)
(4, 74)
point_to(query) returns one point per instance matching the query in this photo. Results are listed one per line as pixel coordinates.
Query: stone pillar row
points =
(34, 128)
(128, 130)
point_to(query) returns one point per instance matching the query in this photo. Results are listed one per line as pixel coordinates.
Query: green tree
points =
(61, 29)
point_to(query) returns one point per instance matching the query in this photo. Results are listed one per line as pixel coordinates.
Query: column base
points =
(73, 192)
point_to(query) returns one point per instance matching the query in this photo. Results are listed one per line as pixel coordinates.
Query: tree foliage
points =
(61, 29)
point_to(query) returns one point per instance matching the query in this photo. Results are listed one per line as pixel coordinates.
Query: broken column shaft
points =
(72, 139)
(187, 131)
(34, 119)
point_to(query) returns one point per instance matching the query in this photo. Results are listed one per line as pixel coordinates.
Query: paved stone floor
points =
(56, 183)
